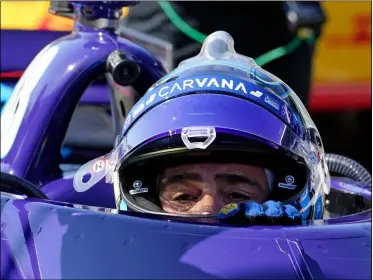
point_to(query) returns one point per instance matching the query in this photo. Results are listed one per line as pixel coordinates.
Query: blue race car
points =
(101, 219)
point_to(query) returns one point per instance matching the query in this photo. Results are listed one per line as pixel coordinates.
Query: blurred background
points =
(340, 91)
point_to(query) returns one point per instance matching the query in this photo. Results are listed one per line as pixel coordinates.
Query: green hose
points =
(302, 34)
(278, 52)
(180, 23)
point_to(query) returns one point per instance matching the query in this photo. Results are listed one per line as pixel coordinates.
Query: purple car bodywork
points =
(13, 46)
(65, 240)
(56, 241)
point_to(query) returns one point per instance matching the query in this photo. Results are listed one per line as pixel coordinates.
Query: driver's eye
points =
(235, 196)
(184, 198)
(183, 202)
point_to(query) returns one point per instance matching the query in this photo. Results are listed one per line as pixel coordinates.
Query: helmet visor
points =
(197, 116)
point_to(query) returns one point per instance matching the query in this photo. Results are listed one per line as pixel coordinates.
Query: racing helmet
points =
(218, 106)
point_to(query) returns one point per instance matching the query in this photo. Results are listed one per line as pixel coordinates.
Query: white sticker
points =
(90, 173)
(151, 99)
(256, 93)
(271, 101)
(289, 180)
(137, 185)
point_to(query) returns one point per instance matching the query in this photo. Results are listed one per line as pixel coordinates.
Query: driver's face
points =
(206, 188)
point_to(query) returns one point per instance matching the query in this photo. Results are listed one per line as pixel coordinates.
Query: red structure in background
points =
(362, 33)
(342, 70)
(363, 25)
(328, 98)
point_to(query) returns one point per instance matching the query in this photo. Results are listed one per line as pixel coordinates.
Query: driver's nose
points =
(210, 204)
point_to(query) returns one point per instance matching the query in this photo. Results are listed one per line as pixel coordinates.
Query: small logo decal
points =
(229, 210)
(137, 185)
(256, 93)
(289, 180)
(98, 166)
(151, 99)
(285, 112)
(271, 101)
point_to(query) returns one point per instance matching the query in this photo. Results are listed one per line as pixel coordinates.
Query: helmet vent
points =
(192, 137)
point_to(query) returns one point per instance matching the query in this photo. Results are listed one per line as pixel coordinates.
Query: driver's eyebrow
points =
(185, 176)
(235, 178)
